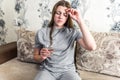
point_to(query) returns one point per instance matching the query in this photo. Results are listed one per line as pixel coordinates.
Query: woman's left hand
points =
(74, 14)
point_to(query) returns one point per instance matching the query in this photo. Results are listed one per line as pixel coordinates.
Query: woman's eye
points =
(58, 13)
(65, 15)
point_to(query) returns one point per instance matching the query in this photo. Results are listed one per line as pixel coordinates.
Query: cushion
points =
(105, 59)
(25, 45)
(17, 70)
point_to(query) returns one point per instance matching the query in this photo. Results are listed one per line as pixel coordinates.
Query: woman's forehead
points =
(61, 8)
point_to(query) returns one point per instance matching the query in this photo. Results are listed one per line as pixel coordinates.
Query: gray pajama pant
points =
(46, 75)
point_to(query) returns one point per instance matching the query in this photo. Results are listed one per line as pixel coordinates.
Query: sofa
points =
(17, 63)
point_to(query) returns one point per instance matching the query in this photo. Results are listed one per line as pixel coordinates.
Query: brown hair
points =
(68, 23)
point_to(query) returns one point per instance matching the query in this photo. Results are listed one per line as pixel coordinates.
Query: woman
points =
(58, 62)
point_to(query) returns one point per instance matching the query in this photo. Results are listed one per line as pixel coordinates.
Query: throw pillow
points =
(105, 59)
(25, 45)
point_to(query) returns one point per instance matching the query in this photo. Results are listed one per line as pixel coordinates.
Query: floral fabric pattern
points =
(105, 59)
(25, 45)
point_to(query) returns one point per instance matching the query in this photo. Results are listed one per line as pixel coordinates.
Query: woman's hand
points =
(74, 14)
(44, 52)
(41, 54)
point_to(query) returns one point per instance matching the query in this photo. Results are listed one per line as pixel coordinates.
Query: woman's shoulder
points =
(43, 29)
(74, 29)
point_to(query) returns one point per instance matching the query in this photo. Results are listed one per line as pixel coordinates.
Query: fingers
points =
(74, 14)
(71, 11)
(45, 52)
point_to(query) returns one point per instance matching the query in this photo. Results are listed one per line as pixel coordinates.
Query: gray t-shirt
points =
(62, 58)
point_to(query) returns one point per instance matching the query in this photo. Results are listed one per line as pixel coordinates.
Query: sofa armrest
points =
(8, 51)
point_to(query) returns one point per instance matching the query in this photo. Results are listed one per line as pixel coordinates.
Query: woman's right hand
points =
(41, 54)
(44, 52)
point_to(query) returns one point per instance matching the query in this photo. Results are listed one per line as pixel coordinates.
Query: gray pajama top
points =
(62, 58)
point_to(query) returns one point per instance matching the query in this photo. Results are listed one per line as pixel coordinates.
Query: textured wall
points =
(99, 15)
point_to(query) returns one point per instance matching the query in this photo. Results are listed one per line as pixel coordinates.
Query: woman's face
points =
(60, 16)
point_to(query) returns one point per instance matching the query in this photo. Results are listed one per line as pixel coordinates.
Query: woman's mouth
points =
(59, 21)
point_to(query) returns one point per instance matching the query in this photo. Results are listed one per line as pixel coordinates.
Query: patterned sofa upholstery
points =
(105, 59)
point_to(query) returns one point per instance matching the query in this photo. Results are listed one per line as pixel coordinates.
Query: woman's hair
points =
(68, 23)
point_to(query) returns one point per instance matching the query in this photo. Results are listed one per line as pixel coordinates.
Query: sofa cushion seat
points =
(17, 70)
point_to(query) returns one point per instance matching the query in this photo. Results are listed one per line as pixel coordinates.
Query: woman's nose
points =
(61, 16)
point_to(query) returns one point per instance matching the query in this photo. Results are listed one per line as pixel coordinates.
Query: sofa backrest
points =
(105, 59)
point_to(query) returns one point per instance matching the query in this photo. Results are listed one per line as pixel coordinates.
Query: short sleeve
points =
(37, 39)
(78, 34)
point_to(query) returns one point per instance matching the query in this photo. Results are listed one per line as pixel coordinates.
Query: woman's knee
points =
(44, 75)
(70, 75)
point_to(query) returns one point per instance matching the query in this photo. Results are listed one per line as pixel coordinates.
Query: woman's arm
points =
(37, 55)
(87, 41)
